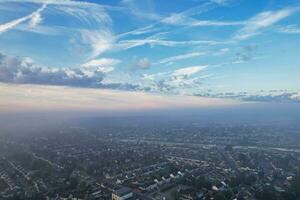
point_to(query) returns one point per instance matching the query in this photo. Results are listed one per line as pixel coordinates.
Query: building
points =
(122, 194)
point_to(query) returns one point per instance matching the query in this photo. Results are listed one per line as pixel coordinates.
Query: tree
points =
(220, 196)
(267, 193)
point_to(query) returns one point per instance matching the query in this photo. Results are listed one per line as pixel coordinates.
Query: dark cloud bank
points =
(23, 71)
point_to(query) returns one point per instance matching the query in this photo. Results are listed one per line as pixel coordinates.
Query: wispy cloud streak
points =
(180, 57)
(35, 18)
(262, 21)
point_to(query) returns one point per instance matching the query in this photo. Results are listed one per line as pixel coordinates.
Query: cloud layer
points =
(263, 96)
(14, 70)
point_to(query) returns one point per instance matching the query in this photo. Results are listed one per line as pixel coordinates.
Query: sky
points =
(135, 54)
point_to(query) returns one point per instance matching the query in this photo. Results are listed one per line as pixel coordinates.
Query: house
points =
(123, 193)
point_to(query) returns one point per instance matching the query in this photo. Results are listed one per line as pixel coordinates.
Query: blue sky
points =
(237, 49)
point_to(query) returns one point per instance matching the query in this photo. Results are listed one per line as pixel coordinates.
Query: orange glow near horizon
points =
(15, 98)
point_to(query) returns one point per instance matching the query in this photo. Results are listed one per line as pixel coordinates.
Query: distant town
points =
(149, 99)
(149, 161)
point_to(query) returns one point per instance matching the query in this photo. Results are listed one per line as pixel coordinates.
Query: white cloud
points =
(290, 29)
(261, 21)
(260, 96)
(128, 44)
(97, 37)
(295, 96)
(23, 71)
(97, 34)
(33, 17)
(180, 19)
(100, 41)
(143, 64)
(180, 57)
(105, 69)
(221, 52)
(216, 23)
(147, 29)
(141, 11)
(173, 19)
(221, 2)
(89, 15)
(104, 65)
(156, 26)
(54, 2)
(183, 80)
(188, 71)
(101, 62)
(152, 77)
(92, 15)
(42, 29)
(180, 80)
